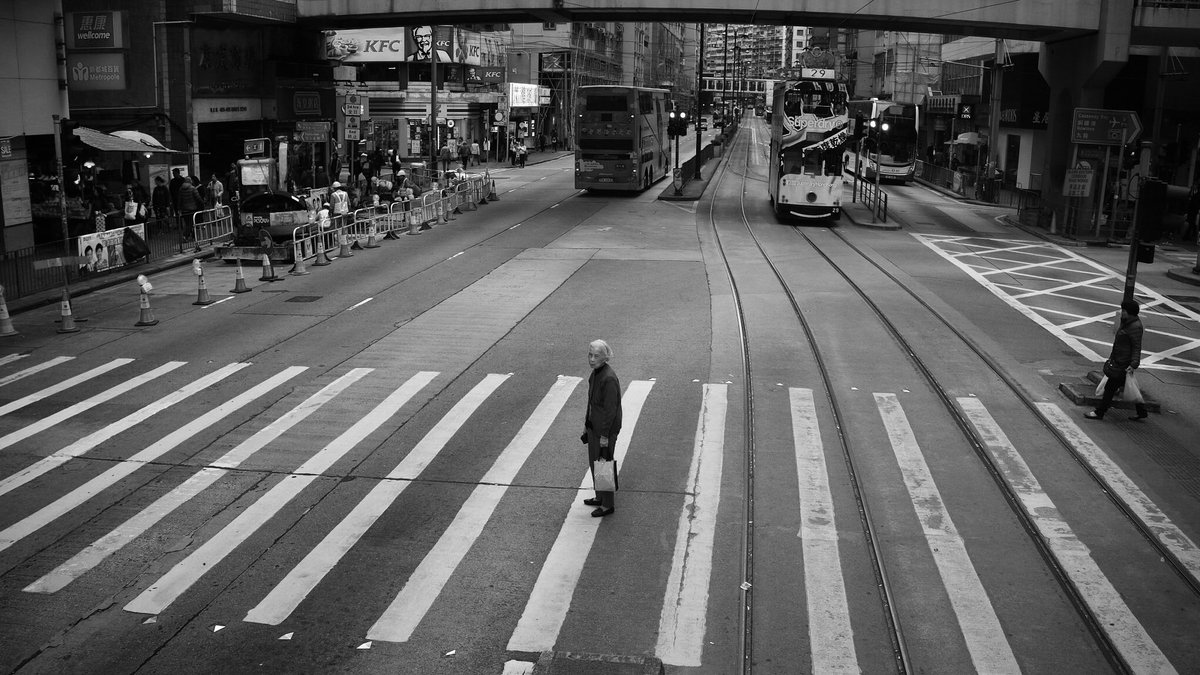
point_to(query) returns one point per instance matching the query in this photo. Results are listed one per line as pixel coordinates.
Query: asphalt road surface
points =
(844, 450)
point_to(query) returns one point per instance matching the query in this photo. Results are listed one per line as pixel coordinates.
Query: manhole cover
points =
(303, 298)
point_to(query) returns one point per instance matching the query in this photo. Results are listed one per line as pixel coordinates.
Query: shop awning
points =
(129, 142)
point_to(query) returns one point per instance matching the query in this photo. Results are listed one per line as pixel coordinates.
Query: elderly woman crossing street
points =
(602, 422)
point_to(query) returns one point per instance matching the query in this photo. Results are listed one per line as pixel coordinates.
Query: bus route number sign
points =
(817, 73)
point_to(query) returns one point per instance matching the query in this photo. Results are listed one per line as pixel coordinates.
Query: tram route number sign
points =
(1097, 126)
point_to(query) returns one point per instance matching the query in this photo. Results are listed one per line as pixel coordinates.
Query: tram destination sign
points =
(1097, 126)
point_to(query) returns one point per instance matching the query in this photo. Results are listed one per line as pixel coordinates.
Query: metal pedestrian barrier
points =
(212, 226)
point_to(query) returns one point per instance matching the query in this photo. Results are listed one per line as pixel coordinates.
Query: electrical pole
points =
(725, 78)
(433, 106)
(699, 92)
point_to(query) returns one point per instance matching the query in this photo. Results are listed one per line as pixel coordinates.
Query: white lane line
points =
(20, 375)
(82, 406)
(981, 629)
(81, 494)
(1136, 646)
(87, 443)
(550, 599)
(61, 386)
(681, 624)
(188, 571)
(401, 618)
(93, 555)
(279, 604)
(359, 304)
(9, 358)
(830, 634)
(1117, 482)
(214, 304)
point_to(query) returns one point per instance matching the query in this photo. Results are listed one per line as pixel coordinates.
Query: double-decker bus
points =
(809, 127)
(896, 131)
(621, 137)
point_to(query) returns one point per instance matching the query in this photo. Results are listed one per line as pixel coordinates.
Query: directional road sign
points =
(1096, 126)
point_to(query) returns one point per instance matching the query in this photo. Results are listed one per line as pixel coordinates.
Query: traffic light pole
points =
(62, 199)
(699, 87)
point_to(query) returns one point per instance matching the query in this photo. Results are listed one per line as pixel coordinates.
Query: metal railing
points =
(31, 270)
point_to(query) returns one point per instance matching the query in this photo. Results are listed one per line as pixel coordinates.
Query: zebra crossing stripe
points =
(400, 619)
(187, 572)
(1166, 531)
(547, 607)
(682, 623)
(32, 370)
(61, 386)
(93, 555)
(289, 593)
(981, 629)
(87, 443)
(1136, 646)
(81, 494)
(9, 358)
(71, 411)
(830, 634)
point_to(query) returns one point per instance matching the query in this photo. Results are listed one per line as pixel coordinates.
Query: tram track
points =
(1095, 624)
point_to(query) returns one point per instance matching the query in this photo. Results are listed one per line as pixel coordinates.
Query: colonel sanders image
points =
(339, 47)
(420, 42)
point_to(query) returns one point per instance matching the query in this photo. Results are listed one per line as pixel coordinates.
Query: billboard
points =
(403, 44)
(522, 95)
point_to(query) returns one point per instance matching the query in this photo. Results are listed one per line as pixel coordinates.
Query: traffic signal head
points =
(1151, 207)
(860, 124)
(72, 146)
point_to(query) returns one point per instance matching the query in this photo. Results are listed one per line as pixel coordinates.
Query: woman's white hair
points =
(602, 349)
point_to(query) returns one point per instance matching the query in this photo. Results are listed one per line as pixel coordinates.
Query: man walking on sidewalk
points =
(1125, 357)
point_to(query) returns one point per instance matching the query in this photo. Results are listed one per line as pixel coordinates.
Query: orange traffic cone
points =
(239, 284)
(147, 314)
(68, 319)
(322, 259)
(344, 250)
(6, 324)
(202, 293)
(371, 243)
(268, 270)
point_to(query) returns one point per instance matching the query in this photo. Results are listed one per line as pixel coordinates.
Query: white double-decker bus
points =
(892, 148)
(809, 129)
(621, 137)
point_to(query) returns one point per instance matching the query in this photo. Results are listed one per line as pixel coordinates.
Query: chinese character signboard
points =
(96, 71)
(225, 63)
(94, 30)
(1096, 126)
(522, 95)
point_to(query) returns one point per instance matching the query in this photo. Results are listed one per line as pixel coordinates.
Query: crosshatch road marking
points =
(1086, 292)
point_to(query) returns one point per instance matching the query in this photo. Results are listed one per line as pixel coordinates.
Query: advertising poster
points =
(104, 250)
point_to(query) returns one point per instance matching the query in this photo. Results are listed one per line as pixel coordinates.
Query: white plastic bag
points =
(1133, 392)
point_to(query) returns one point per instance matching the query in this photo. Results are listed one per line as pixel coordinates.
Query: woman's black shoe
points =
(591, 501)
(601, 512)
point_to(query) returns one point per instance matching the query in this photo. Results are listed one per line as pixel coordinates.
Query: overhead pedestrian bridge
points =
(1150, 22)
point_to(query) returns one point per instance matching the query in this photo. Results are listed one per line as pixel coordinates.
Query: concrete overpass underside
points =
(1151, 22)
(1040, 20)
